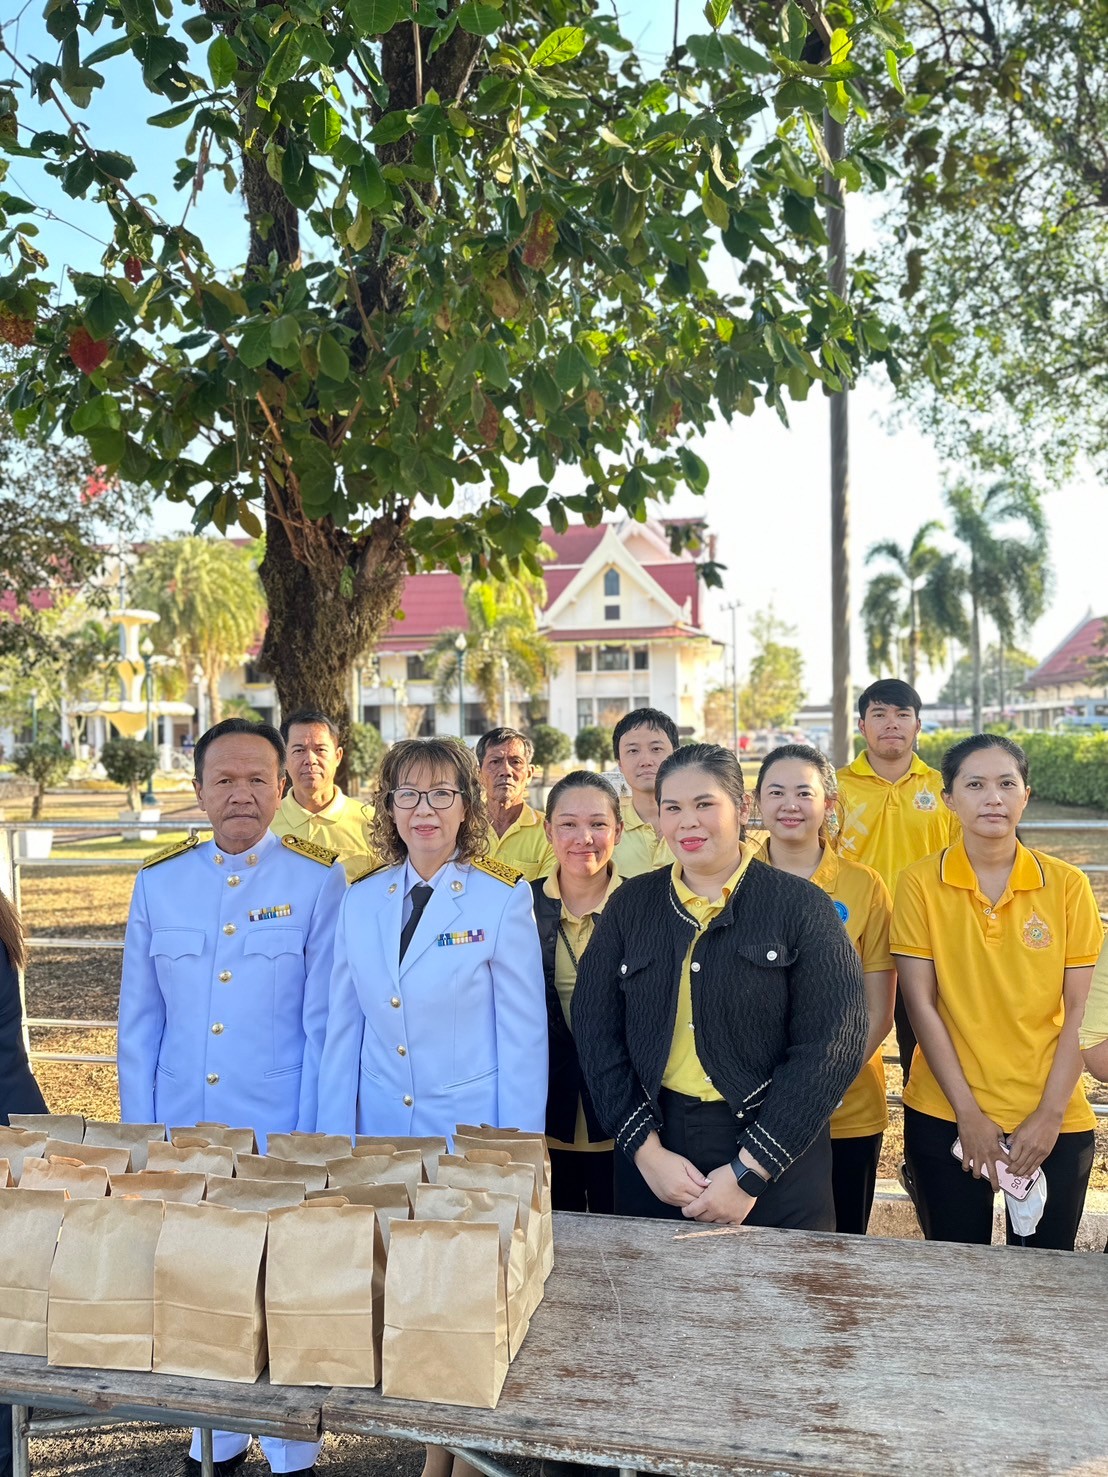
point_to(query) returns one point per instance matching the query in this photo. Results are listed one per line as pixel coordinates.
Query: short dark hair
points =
(805, 754)
(237, 725)
(645, 718)
(311, 715)
(497, 736)
(892, 691)
(958, 753)
(716, 761)
(583, 779)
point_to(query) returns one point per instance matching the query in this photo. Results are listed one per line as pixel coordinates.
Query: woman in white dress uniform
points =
(437, 1011)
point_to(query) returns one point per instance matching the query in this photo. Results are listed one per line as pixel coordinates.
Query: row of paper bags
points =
(334, 1289)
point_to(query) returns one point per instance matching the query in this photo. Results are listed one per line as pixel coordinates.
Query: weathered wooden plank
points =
(267, 1410)
(779, 1351)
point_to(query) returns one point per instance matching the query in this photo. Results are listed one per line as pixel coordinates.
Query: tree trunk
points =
(913, 637)
(1000, 678)
(212, 673)
(134, 799)
(36, 803)
(975, 647)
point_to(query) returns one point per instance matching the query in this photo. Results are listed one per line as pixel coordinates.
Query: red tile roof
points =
(633, 633)
(1068, 662)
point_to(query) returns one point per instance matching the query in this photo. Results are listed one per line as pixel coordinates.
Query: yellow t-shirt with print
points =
(578, 931)
(640, 849)
(524, 845)
(888, 825)
(342, 827)
(999, 968)
(684, 1071)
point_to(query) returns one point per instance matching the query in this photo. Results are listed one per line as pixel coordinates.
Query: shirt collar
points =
(956, 869)
(257, 850)
(413, 879)
(862, 766)
(330, 812)
(552, 888)
(632, 820)
(685, 893)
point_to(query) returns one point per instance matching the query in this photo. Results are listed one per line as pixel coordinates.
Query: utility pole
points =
(734, 609)
(841, 690)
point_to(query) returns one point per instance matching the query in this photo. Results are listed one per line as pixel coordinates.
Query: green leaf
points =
(284, 332)
(695, 470)
(716, 12)
(561, 45)
(374, 17)
(892, 66)
(391, 127)
(249, 521)
(118, 166)
(254, 345)
(794, 31)
(333, 359)
(477, 19)
(98, 410)
(324, 126)
(173, 117)
(284, 63)
(745, 57)
(794, 95)
(367, 183)
(222, 62)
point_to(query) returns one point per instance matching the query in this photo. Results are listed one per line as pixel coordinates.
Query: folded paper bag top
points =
(308, 1148)
(525, 1148)
(67, 1126)
(506, 1179)
(102, 1134)
(161, 1184)
(115, 1160)
(428, 1145)
(247, 1194)
(391, 1203)
(31, 1221)
(242, 1140)
(209, 1303)
(266, 1167)
(17, 1144)
(192, 1157)
(6, 1180)
(371, 1168)
(101, 1310)
(83, 1181)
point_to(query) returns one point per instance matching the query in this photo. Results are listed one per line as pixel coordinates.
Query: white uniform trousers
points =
(282, 1456)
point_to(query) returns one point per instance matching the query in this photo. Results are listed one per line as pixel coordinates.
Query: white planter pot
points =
(35, 845)
(135, 818)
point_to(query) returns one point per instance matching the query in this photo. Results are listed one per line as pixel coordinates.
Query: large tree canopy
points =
(478, 239)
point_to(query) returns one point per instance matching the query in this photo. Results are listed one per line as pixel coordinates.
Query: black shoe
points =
(221, 1469)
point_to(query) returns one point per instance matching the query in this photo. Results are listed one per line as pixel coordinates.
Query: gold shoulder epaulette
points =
(500, 870)
(176, 848)
(370, 872)
(309, 849)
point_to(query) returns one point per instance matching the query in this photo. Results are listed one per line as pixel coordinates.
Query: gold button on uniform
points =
(252, 859)
(217, 1029)
(224, 976)
(402, 1051)
(455, 886)
(233, 880)
(408, 1102)
(395, 1002)
(392, 888)
(218, 859)
(213, 1078)
(229, 928)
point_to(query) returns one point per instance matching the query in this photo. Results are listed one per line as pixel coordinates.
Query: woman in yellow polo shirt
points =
(994, 946)
(796, 794)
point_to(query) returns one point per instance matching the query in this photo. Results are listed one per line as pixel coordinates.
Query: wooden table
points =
(788, 1352)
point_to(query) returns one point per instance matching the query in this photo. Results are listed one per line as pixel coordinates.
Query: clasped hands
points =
(714, 1198)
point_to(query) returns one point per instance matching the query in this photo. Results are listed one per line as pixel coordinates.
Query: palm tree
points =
(209, 600)
(902, 598)
(502, 643)
(1006, 568)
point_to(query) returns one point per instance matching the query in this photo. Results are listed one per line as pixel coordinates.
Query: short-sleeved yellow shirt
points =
(524, 845)
(1094, 1027)
(888, 825)
(684, 1071)
(1000, 971)
(342, 827)
(640, 848)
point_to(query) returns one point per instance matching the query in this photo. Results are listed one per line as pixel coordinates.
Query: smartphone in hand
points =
(1016, 1185)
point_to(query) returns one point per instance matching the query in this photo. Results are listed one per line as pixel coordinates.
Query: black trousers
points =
(954, 1206)
(5, 1440)
(854, 1180)
(905, 1036)
(706, 1135)
(582, 1181)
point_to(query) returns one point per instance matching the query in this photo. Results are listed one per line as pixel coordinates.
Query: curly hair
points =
(436, 756)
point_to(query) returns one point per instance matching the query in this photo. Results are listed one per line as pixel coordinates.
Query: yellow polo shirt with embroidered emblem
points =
(888, 825)
(684, 1071)
(1094, 1027)
(342, 827)
(524, 845)
(578, 931)
(1000, 970)
(640, 849)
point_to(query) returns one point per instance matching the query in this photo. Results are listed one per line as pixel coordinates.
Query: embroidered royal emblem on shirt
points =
(925, 800)
(1036, 933)
(842, 910)
(263, 915)
(471, 936)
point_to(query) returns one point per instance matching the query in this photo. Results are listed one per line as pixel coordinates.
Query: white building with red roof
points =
(1062, 684)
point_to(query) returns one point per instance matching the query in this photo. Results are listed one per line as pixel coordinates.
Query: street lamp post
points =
(147, 650)
(734, 608)
(34, 715)
(460, 645)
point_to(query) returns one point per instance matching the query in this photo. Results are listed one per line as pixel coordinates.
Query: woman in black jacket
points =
(584, 826)
(719, 1017)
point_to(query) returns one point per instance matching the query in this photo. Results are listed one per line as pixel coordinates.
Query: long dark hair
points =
(11, 933)
(806, 754)
(958, 753)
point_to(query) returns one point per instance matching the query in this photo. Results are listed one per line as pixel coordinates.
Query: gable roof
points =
(1069, 661)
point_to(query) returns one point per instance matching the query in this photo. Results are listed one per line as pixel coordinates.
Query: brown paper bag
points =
(115, 1161)
(264, 1167)
(161, 1184)
(505, 1179)
(446, 1317)
(189, 1157)
(209, 1294)
(430, 1148)
(17, 1144)
(263, 1195)
(525, 1148)
(70, 1127)
(242, 1140)
(101, 1311)
(29, 1225)
(391, 1203)
(101, 1134)
(369, 1168)
(325, 1329)
(6, 1180)
(83, 1181)
(442, 1203)
(308, 1148)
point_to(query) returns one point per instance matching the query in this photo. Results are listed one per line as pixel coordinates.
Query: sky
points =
(768, 497)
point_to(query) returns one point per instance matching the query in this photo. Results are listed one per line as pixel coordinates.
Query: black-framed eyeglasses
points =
(438, 799)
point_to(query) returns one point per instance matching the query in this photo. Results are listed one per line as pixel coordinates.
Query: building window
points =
(611, 595)
(252, 677)
(641, 658)
(371, 713)
(584, 658)
(417, 672)
(584, 713)
(476, 720)
(426, 727)
(642, 701)
(613, 659)
(611, 612)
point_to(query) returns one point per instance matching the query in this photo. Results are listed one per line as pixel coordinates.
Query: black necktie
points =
(421, 896)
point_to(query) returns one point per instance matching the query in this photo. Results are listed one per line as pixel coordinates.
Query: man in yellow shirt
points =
(893, 813)
(516, 831)
(315, 809)
(641, 741)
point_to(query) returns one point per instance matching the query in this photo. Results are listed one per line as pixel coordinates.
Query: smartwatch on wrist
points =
(749, 1180)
